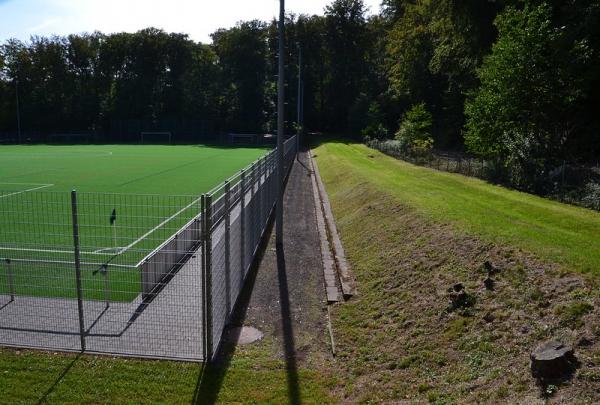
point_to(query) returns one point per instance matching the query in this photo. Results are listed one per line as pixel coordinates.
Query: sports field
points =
(130, 200)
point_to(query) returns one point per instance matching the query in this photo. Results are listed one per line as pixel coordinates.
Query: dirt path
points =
(287, 302)
(285, 297)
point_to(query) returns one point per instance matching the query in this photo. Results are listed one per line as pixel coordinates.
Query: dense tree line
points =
(511, 80)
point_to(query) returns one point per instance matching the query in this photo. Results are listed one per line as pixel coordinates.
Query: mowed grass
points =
(252, 376)
(555, 232)
(145, 185)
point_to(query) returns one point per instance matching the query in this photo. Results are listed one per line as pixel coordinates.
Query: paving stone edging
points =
(347, 280)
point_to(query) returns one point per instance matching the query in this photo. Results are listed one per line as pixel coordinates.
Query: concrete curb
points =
(347, 280)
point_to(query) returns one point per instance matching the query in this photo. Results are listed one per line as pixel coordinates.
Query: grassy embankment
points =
(410, 234)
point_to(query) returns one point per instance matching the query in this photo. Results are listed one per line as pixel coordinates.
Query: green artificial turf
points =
(555, 232)
(144, 185)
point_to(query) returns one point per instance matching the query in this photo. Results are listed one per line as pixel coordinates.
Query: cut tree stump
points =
(552, 359)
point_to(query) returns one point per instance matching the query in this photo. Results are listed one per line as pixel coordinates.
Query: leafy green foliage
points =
(521, 112)
(414, 133)
(433, 50)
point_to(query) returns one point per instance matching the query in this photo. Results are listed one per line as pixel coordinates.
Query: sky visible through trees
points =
(511, 80)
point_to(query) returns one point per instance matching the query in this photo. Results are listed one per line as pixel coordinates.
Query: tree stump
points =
(552, 359)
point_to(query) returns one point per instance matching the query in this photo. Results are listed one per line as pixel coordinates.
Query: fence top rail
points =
(236, 178)
(70, 262)
(169, 240)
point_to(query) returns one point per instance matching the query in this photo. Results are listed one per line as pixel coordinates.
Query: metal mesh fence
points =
(237, 214)
(125, 274)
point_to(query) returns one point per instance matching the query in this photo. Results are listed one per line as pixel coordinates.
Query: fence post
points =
(203, 272)
(227, 197)
(253, 209)
(106, 285)
(78, 268)
(242, 226)
(270, 184)
(208, 275)
(11, 286)
(258, 198)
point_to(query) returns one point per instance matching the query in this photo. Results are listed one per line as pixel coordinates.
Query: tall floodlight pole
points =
(18, 111)
(299, 122)
(280, 127)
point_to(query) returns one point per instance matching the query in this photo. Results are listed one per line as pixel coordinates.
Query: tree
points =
(345, 44)
(522, 112)
(433, 50)
(242, 53)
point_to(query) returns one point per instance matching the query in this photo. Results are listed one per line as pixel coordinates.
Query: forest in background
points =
(516, 82)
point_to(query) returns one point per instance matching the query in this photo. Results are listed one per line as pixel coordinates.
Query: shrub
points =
(591, 197)
(414, 134)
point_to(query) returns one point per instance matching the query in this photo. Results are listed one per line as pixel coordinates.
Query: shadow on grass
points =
(62, 375)
(212, 375)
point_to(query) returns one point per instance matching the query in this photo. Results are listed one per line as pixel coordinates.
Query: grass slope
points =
(410, 235)
(556, 232)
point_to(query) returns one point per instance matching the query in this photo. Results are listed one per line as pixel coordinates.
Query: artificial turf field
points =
(153, 191)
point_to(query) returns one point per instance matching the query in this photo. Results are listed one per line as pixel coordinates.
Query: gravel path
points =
(286, 300)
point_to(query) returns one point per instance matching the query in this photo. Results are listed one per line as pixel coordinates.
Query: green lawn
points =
(555, 232)
(144, 185)
(252, 376)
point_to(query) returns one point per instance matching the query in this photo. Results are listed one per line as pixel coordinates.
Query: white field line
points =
(109, 250)
(138, 240)
(124, 266)
(51, 251)
(24, 184)
(25, 191)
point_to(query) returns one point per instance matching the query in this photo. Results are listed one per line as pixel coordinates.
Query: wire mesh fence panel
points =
(239, 216)
(74, 267)
(142, 275)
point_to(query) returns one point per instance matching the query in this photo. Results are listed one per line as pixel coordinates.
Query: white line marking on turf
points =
(110, 250)
(25, 184)
(52, 251)
(25, 191)
(138, 240)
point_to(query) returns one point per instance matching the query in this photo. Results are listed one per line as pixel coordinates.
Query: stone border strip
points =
(347, 280)
(329, 270)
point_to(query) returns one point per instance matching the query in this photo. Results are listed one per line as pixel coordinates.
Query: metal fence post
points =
(208, 275)
(253, 209)
(11, 286)
(271, 182)
(242, 226)
(104, 271)
(227, 197)
(78, 268)
(203, 272)
(260, 197)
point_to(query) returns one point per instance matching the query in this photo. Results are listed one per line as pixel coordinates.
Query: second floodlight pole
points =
(18, 111)
(299, 99)
(280, 127)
